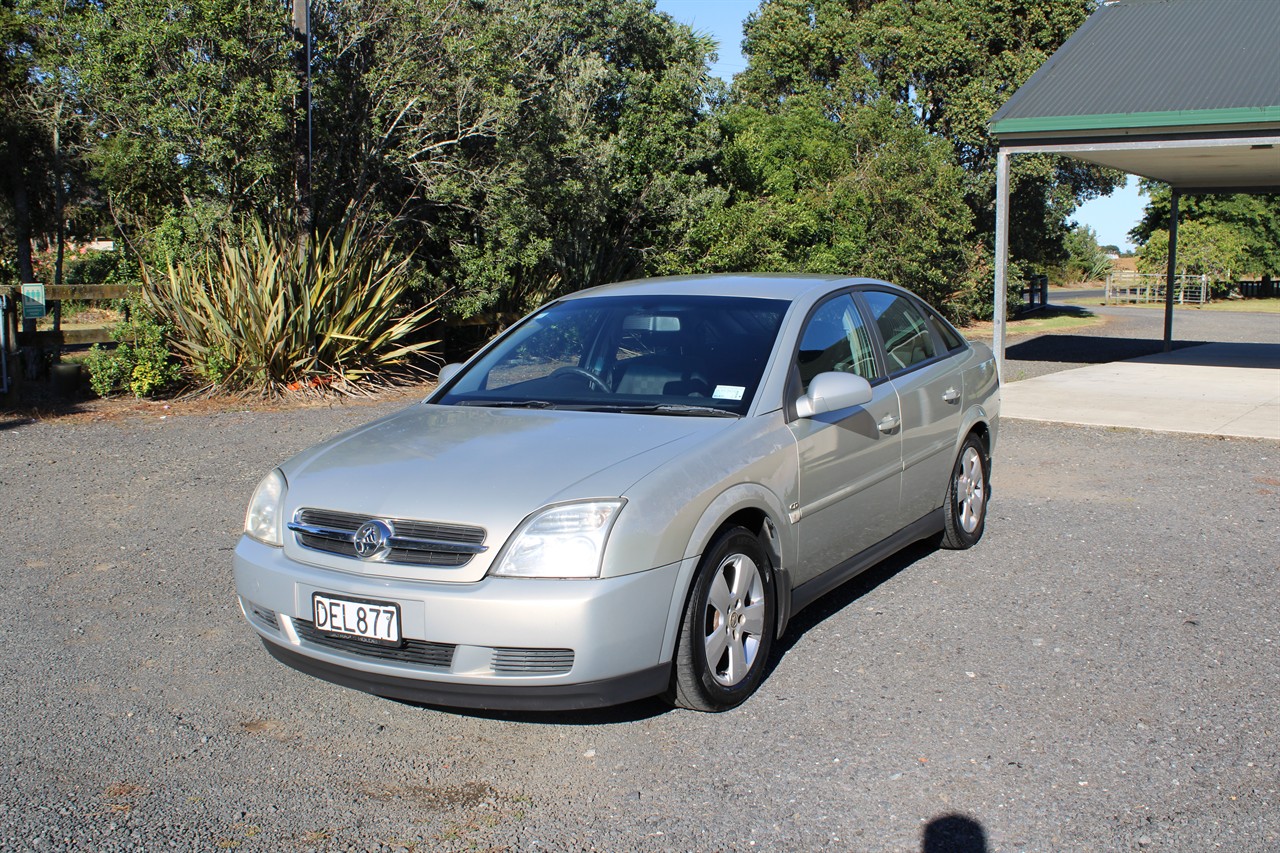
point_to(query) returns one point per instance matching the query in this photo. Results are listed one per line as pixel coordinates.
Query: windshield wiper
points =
(667, 409)
(508, 404)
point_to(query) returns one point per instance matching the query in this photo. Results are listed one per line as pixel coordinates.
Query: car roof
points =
(788, 286)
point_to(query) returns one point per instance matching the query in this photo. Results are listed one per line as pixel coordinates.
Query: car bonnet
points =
(477, 467)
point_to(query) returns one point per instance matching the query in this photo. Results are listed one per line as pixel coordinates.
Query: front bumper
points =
(500, 643)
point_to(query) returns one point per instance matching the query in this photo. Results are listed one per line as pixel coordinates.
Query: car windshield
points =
(666, 355)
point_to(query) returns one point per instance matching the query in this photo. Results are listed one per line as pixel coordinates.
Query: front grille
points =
(415, 543)
(417, 652)
(532, 661)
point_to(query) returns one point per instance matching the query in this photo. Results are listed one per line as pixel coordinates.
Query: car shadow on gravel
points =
(1087, 349)
(842, 596)
(644, 709)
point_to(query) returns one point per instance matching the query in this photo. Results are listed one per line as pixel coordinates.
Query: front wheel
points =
(965, 511)
(728, 625)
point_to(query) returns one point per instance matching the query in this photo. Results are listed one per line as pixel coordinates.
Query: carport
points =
(1182, 91)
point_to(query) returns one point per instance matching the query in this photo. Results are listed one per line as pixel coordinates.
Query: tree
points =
(524, 148)
(191, 106)
(516, 148)
(1086, 260)
(951, 63)
(41, 127)
(873, 195)
(19, 140)
(1252, 220)
(1212, 249)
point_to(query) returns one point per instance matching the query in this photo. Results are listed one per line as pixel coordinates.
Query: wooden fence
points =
(54, 296)
(1035, 294)
(27, 352)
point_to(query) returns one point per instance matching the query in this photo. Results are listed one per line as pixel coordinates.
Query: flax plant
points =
(258, 313)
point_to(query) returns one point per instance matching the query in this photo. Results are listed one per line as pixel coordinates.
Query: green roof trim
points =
(1118, 121)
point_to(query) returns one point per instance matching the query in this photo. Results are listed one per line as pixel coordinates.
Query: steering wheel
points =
(591, 378)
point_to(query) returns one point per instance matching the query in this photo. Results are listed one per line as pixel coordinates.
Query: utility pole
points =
(302, 122)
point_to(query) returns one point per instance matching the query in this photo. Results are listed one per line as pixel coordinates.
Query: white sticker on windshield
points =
(728, 392)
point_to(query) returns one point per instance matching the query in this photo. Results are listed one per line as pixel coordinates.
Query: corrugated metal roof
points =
(1161, 63)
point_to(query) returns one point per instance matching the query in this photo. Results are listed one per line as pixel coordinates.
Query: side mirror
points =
(448, 372)
(831, 392)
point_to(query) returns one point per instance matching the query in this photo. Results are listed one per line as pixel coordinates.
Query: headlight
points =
(565, 541)
(262, 519)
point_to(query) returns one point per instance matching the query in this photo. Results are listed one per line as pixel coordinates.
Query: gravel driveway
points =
(1101, 673)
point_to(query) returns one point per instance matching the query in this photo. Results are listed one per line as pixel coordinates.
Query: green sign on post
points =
(32, 301)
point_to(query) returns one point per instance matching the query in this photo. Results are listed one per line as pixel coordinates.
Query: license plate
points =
(348, 617)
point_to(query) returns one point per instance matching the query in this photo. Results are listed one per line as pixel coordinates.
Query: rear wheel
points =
(728, 625)
(965, 511)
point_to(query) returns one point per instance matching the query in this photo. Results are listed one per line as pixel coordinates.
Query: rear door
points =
(931, 394)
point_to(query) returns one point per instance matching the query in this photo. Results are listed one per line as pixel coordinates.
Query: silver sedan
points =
(627, 494)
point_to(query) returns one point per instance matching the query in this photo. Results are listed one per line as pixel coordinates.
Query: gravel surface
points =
(1101, 673)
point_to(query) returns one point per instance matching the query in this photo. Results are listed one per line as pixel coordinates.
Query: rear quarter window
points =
(951, 339)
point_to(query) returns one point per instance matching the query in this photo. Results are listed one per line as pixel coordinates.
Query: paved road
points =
(1100, 673)
(1130, 332)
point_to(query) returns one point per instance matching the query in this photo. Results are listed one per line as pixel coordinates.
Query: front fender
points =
(742, 497)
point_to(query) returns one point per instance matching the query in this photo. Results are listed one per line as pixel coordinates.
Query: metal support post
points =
(1002, 258)
(1173, 265)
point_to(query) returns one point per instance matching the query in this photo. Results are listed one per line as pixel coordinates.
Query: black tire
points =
(965, 509)
(731, 615)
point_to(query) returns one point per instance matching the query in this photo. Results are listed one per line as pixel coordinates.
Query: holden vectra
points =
(626, 494)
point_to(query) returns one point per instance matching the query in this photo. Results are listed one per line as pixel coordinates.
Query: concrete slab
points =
(1230, 389)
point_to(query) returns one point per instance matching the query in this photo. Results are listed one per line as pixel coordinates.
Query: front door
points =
(850, 467)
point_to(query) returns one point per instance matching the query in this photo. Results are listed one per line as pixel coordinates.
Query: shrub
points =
(257, 313)
(1086, 260)
(141, 361)
(973, 299)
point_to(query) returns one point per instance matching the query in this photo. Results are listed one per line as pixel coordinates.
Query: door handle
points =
(950, 395)
(888, 423)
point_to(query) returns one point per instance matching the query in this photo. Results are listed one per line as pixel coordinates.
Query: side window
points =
(950, 337)
(835, 339)
(907, 337)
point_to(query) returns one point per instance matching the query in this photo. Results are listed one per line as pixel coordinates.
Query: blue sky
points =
(1110, 217)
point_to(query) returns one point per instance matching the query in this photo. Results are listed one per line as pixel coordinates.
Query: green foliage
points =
(44, 185)
(1086, 260)
(140, 362)
(191, 102)
(257, 313)
(951, 63)
(1213, 249)
(106, 372)
(506, 151)
(974, 296)
(527, 148)
(1253, 219)
(874, 195)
